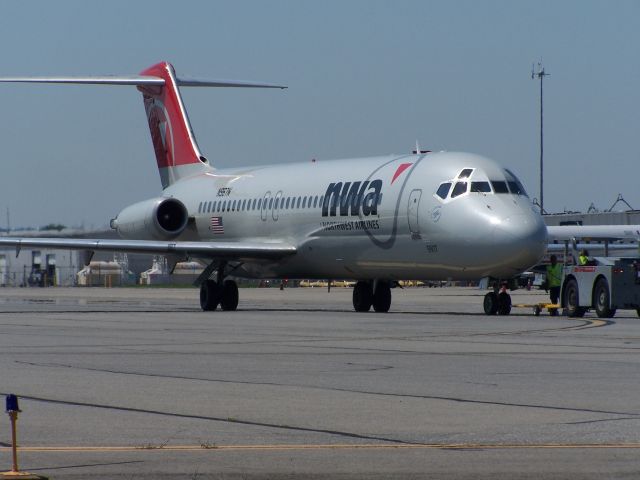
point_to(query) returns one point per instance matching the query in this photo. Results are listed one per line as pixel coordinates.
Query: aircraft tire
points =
(571, 296)
(209, 295)
(504, 303)
(490, 303)
(382, 297)
(362, 296)
(602, 299)
(229, 297)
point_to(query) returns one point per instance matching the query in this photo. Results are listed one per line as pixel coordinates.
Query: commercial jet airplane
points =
(377, 220)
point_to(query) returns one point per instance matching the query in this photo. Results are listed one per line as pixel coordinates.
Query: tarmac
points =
(129, 383)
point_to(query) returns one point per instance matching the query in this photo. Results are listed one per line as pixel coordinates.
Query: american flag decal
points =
(216, 225)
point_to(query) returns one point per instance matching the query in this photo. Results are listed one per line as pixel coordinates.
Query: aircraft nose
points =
(522, 238)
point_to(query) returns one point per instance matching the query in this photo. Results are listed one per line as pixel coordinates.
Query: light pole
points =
(541, 74)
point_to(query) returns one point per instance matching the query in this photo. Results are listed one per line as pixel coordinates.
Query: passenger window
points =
(270, 203)
(321, 200)
(299, 200)
(259, 203)
(499, 186)
(233, 206)
(480, 187)
(315, 201)
(466, 173)
(459, 189)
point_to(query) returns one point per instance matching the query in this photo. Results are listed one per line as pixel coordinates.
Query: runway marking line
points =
(408, 446)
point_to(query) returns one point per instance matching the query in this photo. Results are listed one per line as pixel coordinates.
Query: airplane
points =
(377, 220)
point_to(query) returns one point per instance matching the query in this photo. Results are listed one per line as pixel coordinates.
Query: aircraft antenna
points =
(540, 74)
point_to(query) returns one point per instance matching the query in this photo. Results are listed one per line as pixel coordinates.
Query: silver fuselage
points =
(410, 233)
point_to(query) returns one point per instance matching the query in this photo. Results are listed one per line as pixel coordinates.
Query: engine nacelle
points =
(160, 218)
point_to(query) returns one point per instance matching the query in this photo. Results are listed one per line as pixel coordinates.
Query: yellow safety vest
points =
(554, 275)
(583, 260)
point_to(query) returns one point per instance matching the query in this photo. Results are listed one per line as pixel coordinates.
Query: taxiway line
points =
(426, 446)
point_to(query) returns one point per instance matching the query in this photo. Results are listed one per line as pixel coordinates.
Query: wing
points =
(594, 232)
(227, 250)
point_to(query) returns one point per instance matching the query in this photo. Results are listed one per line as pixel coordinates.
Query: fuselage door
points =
(412, 212)
(264, 210)
(276, 206)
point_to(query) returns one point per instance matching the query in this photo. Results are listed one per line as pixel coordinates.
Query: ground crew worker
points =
(554, 280)
(583, 258)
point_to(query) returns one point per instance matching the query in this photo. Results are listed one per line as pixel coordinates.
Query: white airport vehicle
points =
(377, 220)
(605, 286)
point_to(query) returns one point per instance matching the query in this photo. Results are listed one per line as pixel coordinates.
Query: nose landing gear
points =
(498, 301)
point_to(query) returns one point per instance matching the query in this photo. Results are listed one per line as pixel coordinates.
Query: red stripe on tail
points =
(171, 134)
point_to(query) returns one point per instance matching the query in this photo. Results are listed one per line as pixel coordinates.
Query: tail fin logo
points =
(161, 131)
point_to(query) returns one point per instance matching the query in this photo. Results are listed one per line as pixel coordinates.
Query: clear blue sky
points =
(365, 77)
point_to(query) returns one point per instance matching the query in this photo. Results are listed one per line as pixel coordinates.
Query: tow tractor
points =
(606, 285)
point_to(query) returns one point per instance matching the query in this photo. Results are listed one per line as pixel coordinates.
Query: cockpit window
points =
(459, 189)
(514, 184)
(515, 188)
(466, 173)
(443, 190)
(480, 187)
(499, 186)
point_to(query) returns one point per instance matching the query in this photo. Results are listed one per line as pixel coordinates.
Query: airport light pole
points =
(540, 74)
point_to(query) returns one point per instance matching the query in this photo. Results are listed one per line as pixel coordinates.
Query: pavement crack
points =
(215, 419)
(601, 420)
(460, 400)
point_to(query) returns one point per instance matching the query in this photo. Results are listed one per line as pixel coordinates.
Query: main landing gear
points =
(218, 292)
(375, 294)
(498, 301)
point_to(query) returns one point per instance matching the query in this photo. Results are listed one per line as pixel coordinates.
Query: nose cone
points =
(522, 239)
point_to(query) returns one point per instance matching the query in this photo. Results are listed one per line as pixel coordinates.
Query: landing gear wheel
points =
(537, 310)
(490, 303)
(229, 297)
(571, 296)
(382, 297)
(504, 303)
(362, 296)
(209, 295)
(602, 299)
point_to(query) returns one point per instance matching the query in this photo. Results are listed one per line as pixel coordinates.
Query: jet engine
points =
(161, 218)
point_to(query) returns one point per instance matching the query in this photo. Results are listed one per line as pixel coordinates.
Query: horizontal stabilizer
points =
(139, 80)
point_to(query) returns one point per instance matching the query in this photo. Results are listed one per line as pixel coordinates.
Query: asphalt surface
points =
(139, 383)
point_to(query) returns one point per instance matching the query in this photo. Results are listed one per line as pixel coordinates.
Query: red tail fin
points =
(177, 152)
